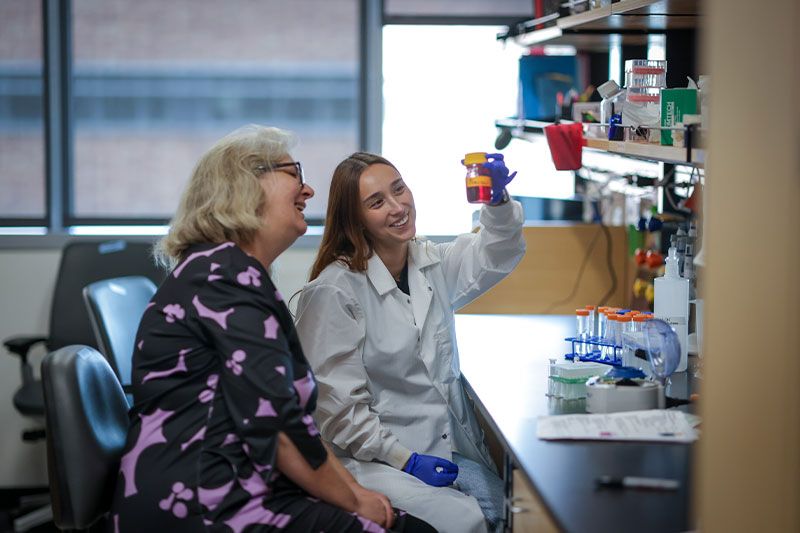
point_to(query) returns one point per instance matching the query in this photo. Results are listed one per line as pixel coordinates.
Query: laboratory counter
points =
(504, 360)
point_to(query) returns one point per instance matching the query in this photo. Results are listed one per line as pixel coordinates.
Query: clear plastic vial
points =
(479, 179)
(618, 335)
(592, 320)
(623, 330)
(582, 332)
(602, 320)
(610, 336)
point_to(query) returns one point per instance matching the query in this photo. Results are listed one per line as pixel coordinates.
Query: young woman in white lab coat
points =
(376, 322)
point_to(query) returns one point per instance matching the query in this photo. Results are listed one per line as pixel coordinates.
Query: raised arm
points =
(475, 262)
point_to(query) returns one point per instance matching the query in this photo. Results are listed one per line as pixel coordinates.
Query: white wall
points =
(27, 287)
(28, 277)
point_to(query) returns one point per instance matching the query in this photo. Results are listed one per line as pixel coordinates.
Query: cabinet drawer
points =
(528, 514)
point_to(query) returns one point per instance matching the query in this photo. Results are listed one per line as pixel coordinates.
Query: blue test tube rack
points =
(595, 354)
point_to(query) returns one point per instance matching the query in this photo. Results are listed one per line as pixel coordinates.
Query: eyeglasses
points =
(297, 174)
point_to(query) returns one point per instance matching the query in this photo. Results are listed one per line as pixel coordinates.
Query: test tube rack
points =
(594, 351)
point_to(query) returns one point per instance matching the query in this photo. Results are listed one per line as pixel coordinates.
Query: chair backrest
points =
(86, 421)
(83, 263)
(115, 308)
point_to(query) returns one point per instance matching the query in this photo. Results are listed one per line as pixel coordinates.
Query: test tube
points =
(602, 320)
(623, 329)
(582, 331)
(592, 321)
(610, 336)
(637, 329)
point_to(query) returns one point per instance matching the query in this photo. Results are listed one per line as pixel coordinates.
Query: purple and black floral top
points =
(218, 371)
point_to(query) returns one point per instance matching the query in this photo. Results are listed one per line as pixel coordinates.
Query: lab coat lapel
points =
(379, 275)
(420, 287)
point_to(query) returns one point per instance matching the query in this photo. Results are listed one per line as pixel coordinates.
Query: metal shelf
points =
(639, 150)
(629, 20)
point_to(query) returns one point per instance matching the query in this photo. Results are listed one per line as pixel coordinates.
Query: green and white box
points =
(675, 103)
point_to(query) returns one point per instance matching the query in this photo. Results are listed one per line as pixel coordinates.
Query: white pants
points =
(445, 508)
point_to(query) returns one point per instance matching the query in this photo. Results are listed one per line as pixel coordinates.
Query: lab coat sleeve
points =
(332, 332)
(475, 262)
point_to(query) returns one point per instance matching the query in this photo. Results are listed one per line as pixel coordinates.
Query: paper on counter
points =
(656, 425)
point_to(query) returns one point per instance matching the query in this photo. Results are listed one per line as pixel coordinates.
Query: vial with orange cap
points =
(610, 337)
(583, 332)
(623, 330)
(602, 320)
(479, 179)
(592, 320)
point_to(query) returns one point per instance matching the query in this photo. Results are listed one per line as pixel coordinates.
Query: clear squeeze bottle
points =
(479, 179)
(672, 303)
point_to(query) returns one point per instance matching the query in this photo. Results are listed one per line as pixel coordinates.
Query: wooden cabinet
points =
(527, 513)
(557, 277)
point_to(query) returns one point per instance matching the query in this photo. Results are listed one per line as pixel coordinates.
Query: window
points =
(22, 161)
(444, 86)
(153, 84)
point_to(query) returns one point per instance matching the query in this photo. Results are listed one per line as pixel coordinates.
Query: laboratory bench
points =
(551, 484)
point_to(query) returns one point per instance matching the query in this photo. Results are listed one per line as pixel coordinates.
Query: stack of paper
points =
(653, 425)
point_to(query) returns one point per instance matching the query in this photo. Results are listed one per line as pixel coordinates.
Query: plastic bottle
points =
(613, 100)
(479, 179)
(672, 303)
(688, 259)
(680, 244)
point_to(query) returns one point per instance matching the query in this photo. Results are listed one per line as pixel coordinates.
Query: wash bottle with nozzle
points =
(672, 303)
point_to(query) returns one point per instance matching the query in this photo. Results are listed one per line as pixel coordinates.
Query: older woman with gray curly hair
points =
(222, 437)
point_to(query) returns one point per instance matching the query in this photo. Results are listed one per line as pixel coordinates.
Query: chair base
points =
(35, 518)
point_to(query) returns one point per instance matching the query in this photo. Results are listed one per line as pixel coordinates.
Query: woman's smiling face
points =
(387, 207)
(286, 197)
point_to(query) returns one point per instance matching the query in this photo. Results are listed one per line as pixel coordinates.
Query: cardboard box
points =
(675, 103)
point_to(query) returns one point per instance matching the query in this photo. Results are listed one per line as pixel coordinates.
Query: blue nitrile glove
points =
(500, 177)
(432, 470)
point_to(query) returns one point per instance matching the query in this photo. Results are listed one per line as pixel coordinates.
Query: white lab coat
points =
(386, 363)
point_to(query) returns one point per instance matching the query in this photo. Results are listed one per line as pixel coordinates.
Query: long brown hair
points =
(344, 238)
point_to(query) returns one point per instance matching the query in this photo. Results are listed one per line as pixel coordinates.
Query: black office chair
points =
(115, 308)
(81, 264)
(86, 422)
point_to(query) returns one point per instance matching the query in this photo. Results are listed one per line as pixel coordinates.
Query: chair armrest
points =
(22, 345)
